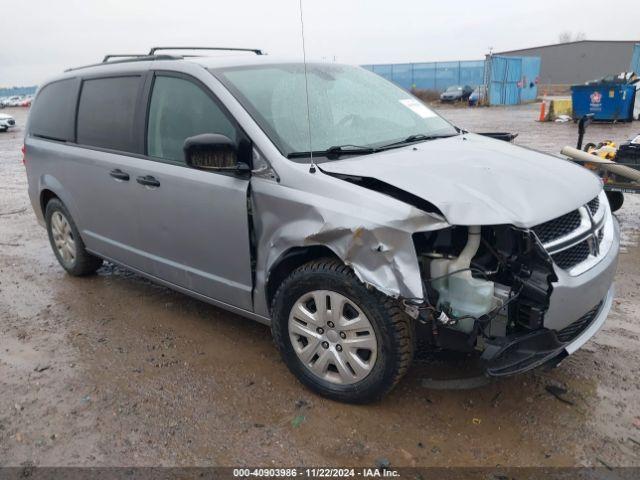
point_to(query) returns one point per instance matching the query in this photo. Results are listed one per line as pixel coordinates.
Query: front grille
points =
(576, 328)
(570, 228)
(572, 256)
(558, 227)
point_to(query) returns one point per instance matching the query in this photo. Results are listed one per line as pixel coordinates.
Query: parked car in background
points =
(6, 122)
(26, 101)
(478, 96)
(456, 93)
(14, 101)
(389, 226)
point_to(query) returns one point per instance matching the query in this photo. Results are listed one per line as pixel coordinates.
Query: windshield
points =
(348, 106)
(454, 88)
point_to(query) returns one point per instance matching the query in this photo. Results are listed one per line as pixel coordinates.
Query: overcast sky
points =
(43, 37)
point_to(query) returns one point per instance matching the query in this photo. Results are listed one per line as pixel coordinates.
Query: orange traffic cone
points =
(543, 111)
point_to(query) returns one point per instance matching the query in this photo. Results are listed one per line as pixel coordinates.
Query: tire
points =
(616, 199)
(390, 329)
(61, 227)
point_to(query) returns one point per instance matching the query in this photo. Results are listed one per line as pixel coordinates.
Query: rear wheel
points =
(66, 243)
(339, 338)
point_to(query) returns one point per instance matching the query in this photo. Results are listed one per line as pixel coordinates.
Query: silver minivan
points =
(328, 203)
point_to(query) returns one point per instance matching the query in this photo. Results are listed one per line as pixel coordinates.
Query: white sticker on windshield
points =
(417, 107)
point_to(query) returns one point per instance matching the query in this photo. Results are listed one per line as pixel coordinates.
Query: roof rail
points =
(257, 51)
(142, 57)
(127, 59)
(121, 55)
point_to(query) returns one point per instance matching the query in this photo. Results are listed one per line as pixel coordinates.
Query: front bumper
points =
(526, 352)
(578, 307)
(594, 327)
(574, 295)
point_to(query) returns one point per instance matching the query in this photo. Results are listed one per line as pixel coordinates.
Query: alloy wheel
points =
(63, 238)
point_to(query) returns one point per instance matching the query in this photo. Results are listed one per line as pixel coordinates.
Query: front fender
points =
(378, 247)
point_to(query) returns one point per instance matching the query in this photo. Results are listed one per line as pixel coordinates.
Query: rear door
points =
(193, 224)
(96, 171)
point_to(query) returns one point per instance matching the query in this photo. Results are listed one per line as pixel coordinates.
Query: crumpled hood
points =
(475, 180)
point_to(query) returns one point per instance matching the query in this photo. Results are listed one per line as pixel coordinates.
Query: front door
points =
(193, 224)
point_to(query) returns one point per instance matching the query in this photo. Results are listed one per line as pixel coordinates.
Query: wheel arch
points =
(46, 195)
(50, 187)
(289, 261)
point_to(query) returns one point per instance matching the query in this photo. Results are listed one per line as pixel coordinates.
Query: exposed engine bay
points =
(482, 284)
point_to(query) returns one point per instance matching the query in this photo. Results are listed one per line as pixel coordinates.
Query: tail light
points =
(24, 154)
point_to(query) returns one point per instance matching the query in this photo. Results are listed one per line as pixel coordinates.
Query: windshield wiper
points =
(338, 150)
(335, 151)
(420, 137)
(349, 150)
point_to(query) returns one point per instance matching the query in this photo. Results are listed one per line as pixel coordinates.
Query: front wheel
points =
(339, 338)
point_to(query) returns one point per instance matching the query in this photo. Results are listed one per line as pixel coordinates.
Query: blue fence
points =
(9, 92)
(432, 75)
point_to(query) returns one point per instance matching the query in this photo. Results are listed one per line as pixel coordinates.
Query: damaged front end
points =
(488, 289)
(524, 292)
(524, 297)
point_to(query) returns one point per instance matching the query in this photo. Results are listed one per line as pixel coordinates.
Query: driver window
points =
(180, 109)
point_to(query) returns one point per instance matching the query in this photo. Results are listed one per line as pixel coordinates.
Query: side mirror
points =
(211, 151)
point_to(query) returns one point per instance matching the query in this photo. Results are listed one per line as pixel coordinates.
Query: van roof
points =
(125, 64)
(237, 57)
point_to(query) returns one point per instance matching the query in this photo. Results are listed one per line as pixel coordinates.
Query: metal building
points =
(578, 62)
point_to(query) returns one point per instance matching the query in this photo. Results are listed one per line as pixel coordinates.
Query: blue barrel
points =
(607, 101)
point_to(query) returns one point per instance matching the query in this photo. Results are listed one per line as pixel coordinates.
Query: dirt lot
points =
(113, 370)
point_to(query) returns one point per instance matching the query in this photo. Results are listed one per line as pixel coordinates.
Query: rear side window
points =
(53, 111)
(106, 113)
(180, 109)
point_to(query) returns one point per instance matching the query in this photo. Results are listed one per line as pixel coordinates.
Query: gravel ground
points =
(113, 370)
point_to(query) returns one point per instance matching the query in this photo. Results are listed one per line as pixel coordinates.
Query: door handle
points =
(148, 181)
(119, 175)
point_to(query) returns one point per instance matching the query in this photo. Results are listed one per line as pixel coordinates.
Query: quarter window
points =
(106, 113)
(180, 109)
(52, 113)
